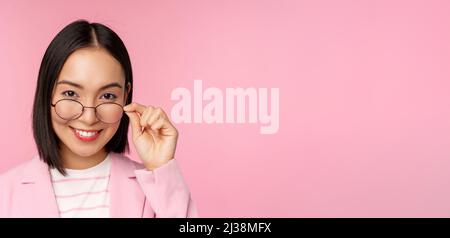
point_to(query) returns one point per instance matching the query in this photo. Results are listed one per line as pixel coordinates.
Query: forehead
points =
(92, 67)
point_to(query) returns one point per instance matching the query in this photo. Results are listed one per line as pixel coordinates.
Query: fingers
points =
(135, 107)
(150, 115)
(153, 118)
(135, 124)
(159, 124)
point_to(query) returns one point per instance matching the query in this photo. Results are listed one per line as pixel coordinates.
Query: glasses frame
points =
(83, 107)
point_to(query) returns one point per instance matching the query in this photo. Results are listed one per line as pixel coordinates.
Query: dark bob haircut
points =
(76, 35)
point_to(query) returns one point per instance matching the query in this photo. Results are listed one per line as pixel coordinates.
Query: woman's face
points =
(90, 76)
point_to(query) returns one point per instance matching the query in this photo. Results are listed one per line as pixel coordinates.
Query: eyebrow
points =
(110, 85)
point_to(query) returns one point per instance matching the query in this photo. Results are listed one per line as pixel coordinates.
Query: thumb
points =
(135, 125)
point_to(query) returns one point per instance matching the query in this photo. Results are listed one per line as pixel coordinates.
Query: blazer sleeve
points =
(166, 191)
(4, 200)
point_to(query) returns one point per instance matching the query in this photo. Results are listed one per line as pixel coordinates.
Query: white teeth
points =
(86, 133)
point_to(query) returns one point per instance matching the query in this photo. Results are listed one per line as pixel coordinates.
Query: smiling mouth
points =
(86, 135)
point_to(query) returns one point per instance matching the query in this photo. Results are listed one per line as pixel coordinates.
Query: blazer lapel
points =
(35, 196)
(126, 197)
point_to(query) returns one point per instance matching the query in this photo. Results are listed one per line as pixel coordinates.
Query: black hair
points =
(76, 35)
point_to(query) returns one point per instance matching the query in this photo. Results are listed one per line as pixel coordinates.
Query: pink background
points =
(364, 97)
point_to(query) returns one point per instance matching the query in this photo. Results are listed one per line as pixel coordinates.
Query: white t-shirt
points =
(83, 193)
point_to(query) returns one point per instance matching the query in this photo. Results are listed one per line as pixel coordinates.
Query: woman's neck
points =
(73, 161)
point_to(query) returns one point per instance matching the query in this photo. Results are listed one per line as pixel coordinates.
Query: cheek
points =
(58, 123)
(110, 130)
(56, 119)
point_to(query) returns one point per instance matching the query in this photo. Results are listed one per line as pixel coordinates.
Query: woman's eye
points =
(109, 96)
(69, 93)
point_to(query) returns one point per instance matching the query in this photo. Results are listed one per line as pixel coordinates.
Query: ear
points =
(127, 91)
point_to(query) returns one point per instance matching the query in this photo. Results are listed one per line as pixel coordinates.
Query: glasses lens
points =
(109, 112)
(68, 109)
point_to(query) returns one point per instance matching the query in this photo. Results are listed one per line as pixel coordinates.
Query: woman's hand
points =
(154, 136)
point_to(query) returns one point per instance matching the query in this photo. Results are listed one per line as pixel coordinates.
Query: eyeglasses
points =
(69, 109)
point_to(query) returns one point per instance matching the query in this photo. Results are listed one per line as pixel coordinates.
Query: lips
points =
(86, 135)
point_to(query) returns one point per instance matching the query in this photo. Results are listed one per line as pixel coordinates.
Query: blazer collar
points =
(126, 197)
(36, 193)
(35, 171)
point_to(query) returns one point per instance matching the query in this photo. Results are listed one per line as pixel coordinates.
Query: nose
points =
(89, 115)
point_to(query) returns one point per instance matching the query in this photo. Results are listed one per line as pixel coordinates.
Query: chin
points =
(84, 152)
(83, 149)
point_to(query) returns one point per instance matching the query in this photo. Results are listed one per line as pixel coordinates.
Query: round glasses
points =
(69, 109)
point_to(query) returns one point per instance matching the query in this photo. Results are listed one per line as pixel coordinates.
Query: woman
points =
(84, 89)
